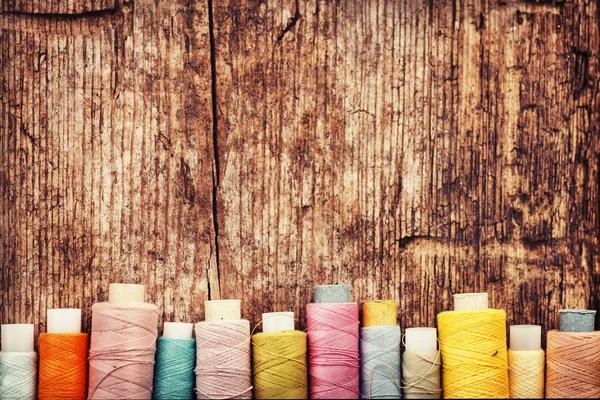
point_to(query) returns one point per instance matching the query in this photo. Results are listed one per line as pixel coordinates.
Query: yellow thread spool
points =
(379, 313)
(279, 365)
(474, 355)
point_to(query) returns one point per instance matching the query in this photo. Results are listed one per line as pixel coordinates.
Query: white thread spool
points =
(178, 330)
(222, 310)
(17, 338)
(126, 293)
(420, 340)
(278, 321)
(525, 337)
(64, 320)
(470, 301)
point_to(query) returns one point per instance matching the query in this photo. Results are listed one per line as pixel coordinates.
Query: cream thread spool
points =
(421, 364)
(526, 362)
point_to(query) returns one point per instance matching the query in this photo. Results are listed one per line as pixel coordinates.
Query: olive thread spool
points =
(280, 368)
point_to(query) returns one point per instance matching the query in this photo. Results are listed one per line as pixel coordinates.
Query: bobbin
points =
(17, 338)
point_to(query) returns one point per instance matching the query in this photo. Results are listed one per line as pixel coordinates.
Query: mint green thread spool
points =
(174, 369)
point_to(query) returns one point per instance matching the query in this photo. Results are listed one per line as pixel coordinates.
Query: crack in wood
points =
(291, 23)
(216, 164)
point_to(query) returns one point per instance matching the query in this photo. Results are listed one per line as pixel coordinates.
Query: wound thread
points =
(122, 349)
(279, 365)
(223, 368)
(380, 362)
(333, 335)
(174, 369)
(421, 375)
(18, 375)
(473, 349)
(526, 374)
(573, 365)
(63, 365)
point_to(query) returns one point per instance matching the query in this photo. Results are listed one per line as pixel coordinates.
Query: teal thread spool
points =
(174, 370)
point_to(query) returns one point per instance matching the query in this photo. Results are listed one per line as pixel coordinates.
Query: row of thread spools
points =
(336, 358)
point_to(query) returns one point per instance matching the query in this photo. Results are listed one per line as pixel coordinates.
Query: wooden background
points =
(253, 150)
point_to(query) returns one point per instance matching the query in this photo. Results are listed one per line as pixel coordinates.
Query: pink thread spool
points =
(122, 347)
(333, 337)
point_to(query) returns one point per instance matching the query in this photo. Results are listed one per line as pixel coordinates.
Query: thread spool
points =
(572, 365)
(474, 355)
(526, 362)
(421, 364)
(379, 313)
(574, 320)
(122, 347)
(279, 359)
(17, 338)
(333, 354)
(175, 363)
(63, 356)
(380, 362)
(223, 368)
(333, 294)
(18, 362)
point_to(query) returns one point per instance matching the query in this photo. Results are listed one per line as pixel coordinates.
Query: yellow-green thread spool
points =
(279, 365)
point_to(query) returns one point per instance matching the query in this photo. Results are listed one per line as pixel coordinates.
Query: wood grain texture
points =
(253, 150)
(56, 6)
(106, 160)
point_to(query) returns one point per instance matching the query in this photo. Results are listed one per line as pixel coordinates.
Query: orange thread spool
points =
(63, 366)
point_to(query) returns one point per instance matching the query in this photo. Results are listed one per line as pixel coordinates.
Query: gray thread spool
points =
(333, 294)
(422, 375)
(380, 362)
(574, 320)
(18, 375)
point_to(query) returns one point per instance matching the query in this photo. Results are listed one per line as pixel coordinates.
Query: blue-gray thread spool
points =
(573, 320)
(333, 294)
(174, 370)
(380, 362)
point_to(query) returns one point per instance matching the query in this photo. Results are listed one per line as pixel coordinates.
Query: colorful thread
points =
(333, 335)
(573, 365)
(279, 365)
(223, 368)
(526, 374)
(473, 349)
(174, 369)
(63, 365)
(122, 348)
(421, 375)
(380, 362)
(18, 375)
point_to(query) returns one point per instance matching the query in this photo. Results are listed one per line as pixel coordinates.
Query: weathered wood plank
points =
(107, 159)
(56, 7)
(413, 150)
(410, 150)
